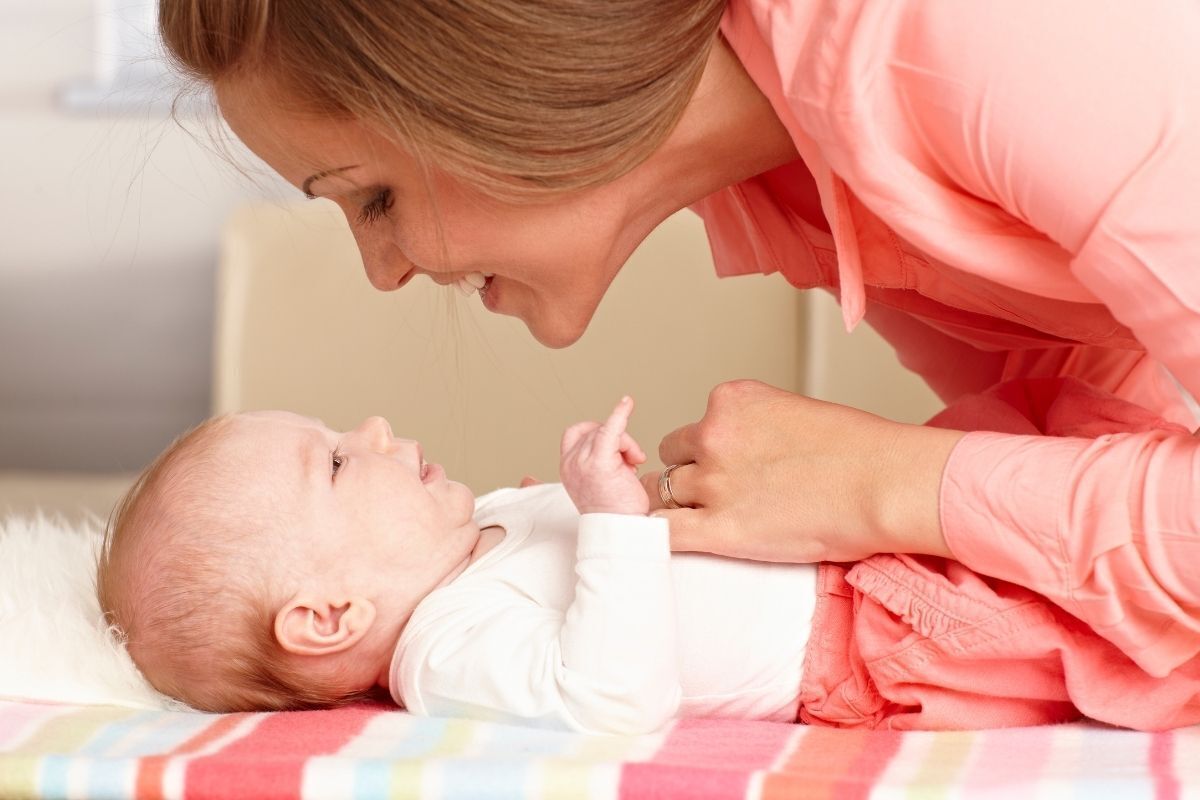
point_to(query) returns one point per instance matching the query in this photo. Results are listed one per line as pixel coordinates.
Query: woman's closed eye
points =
(378, 207)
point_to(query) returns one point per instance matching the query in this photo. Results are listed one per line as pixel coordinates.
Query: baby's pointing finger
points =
(614, 426)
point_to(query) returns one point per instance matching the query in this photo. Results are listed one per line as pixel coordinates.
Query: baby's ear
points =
(309, 626)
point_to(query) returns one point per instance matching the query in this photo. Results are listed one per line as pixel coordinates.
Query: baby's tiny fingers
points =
(631, 451)
(574, 434)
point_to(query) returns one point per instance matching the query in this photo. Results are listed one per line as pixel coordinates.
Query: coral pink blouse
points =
(1009, 189)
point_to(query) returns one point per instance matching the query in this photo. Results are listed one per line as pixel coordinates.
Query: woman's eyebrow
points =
(306, 187)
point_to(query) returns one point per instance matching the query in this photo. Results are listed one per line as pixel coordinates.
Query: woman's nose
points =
(386, 267)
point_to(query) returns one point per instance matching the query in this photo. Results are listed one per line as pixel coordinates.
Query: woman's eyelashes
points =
(336, 462)
(377, 208)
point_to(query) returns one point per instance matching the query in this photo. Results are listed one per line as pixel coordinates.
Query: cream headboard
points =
(299, 327)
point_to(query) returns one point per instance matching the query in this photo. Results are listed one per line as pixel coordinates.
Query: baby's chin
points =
(461, 490)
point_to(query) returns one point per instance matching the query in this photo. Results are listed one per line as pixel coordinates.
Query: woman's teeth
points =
(472, 282)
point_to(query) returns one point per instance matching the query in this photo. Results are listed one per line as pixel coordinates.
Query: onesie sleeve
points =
(1082, 120)
(609, 664)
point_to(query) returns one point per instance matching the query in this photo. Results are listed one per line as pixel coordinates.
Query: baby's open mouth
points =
(431, 473)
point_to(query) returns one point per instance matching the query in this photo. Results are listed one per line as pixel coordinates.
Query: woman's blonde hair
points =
(514, 96)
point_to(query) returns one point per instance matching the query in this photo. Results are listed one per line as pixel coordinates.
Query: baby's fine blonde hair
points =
(517, 97)
(198, 630)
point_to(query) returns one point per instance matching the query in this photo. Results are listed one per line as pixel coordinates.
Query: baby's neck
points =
(488, 538)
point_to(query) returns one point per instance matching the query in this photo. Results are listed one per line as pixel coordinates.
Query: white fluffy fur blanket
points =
(54, 645)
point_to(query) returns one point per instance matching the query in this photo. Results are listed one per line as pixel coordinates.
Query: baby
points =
(265, 561)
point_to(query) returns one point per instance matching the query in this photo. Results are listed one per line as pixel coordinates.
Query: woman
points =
(1003, 190)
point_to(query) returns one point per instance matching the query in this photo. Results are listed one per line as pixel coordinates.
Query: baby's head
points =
(264, 561)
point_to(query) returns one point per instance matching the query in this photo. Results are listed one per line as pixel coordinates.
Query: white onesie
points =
(589, 623)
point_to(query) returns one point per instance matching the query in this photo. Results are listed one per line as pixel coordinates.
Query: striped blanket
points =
(363, 752)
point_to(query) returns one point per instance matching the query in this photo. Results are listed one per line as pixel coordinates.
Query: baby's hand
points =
(599, 465)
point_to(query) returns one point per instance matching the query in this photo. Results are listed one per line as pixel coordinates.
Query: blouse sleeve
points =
(1106, 528)
(1082, 119)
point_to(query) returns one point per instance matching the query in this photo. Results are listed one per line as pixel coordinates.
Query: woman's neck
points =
(729, 132)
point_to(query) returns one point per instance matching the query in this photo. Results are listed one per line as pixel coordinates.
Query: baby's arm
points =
(610, 662)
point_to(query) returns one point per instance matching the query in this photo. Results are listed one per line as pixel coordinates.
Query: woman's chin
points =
(556, 318)
(554, 330)
(555, 334)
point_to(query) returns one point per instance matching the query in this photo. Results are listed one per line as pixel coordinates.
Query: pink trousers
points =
(916, 642)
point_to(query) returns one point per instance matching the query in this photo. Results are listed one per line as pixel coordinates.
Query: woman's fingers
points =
(683, 484)
(679, 446)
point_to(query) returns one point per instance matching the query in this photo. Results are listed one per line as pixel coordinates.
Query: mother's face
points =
(551, 261)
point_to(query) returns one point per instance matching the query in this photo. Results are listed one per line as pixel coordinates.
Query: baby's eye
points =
(337, 461)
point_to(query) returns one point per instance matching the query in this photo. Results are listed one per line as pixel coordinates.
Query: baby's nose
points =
(375, 431)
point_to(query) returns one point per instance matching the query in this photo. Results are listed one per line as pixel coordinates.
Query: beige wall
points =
(106, 308)
(300, 328)
(859, 368)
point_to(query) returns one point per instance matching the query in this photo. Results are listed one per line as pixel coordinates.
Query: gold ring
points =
(664, 488)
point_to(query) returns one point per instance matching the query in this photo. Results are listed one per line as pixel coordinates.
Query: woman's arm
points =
(775, 476)
(1101, 516)
(1107, 528)
(1082, 120)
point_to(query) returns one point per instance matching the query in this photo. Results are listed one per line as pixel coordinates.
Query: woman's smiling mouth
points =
(474, 282)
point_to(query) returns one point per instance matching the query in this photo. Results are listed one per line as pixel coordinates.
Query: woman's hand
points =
(775, 476)
(599, 465)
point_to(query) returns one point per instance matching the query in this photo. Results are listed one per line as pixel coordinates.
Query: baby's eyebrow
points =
(309, 447)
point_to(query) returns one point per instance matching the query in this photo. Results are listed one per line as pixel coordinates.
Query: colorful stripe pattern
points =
(367, 752)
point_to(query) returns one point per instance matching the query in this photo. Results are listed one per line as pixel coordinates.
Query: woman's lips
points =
(487, 294)
(408, 276)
